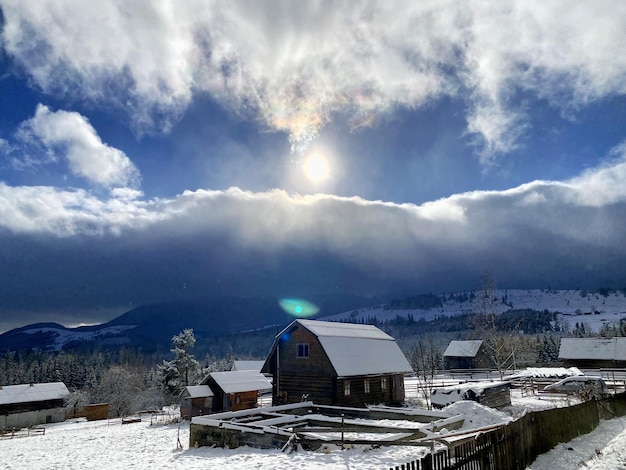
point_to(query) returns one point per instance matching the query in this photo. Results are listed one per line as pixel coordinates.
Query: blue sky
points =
(156, 150)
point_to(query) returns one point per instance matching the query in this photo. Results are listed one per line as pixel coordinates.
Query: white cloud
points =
(71, 135)
(296, 66)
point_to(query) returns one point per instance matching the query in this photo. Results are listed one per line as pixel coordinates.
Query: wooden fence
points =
(516, 445)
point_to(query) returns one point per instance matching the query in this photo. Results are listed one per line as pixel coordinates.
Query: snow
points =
(80, 444)
(344, 330)
(463, 348)
(593, 348)
(26, 393)
(572, 307)
(199, 391)
(240, 381)
(363, 356)
(64, 336)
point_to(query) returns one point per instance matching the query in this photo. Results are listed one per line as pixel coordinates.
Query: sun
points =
(316, 168)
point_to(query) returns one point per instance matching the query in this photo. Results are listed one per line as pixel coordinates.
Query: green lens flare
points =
(298, 307)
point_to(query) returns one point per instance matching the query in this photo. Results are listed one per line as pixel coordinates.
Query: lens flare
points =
(298, 307)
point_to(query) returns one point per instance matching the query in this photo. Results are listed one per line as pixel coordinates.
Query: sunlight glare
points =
(316, 168)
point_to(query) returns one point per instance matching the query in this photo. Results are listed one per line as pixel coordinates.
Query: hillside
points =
(593, 308)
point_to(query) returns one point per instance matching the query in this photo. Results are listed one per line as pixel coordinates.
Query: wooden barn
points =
(336, 364)
(593, 353)
(466, 355)
(30, 404)
(235, 390)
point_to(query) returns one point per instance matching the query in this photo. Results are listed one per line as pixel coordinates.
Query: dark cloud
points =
(85, 253)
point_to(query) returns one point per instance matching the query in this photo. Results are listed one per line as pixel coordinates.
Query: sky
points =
(158, 150)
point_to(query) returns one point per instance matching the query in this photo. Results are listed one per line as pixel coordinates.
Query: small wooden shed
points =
(235, 390)
(196, 400)
(29, 404)
(333, 363)
(466, 355)
(593, 353)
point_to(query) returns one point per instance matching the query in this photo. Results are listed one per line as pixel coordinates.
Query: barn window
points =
(383, 383)
(303, 349)
(366, 386)
(346, 388)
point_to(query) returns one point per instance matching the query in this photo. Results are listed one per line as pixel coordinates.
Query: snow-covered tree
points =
(176, 374)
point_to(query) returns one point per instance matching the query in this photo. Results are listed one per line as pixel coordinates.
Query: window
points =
(346, 388)
(303, 350)
(383, 383)
(366, 386)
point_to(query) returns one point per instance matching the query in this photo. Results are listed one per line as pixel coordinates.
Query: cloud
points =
(70, 135)
(296, 67)
(71, 250)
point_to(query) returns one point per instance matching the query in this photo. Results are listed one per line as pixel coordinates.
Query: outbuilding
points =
(30, 404)
(196, 400)
(235, 390)
(333, 363)
(593, 353)
(466, 355)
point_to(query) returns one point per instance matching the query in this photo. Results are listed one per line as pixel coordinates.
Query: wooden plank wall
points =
(516, 445)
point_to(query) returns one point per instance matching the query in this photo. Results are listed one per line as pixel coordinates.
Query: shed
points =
(336, 364)
(235, 390)
(466, 355)
(593, 353)
(30, 404)
(196, 400)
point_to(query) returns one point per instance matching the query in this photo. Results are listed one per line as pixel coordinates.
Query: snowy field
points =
(79, 444)
(593, 310)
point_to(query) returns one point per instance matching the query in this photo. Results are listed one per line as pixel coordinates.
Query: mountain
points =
(594, 308)
(151, 327)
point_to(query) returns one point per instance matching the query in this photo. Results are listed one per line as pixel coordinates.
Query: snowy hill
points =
(593, 308)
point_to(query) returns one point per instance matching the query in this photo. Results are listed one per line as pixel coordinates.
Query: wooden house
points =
(466, 355)
(196, 400)
(30, 404)
(235, 390)
(336, 364)
(593, 353)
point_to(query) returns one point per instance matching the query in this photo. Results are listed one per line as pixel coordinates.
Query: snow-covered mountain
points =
(593, 308)
(150, 326)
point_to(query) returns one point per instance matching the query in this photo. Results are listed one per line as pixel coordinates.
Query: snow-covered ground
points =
(592, 309)
(79, 444)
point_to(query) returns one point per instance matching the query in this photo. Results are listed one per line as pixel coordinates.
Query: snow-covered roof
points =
(199, 391)
(248, 365)
(593, 348)
(240, 381)
(358, 349)
(343, 330)
(28, 393)
(463, 348)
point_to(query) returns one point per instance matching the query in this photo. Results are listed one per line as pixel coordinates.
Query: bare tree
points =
(484, 323)
(425, 359)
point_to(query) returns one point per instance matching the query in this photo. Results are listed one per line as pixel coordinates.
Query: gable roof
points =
(199, 391)
(29, 393)
(463, 348)
(593, 348)
(239, 381)
(355, 350)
